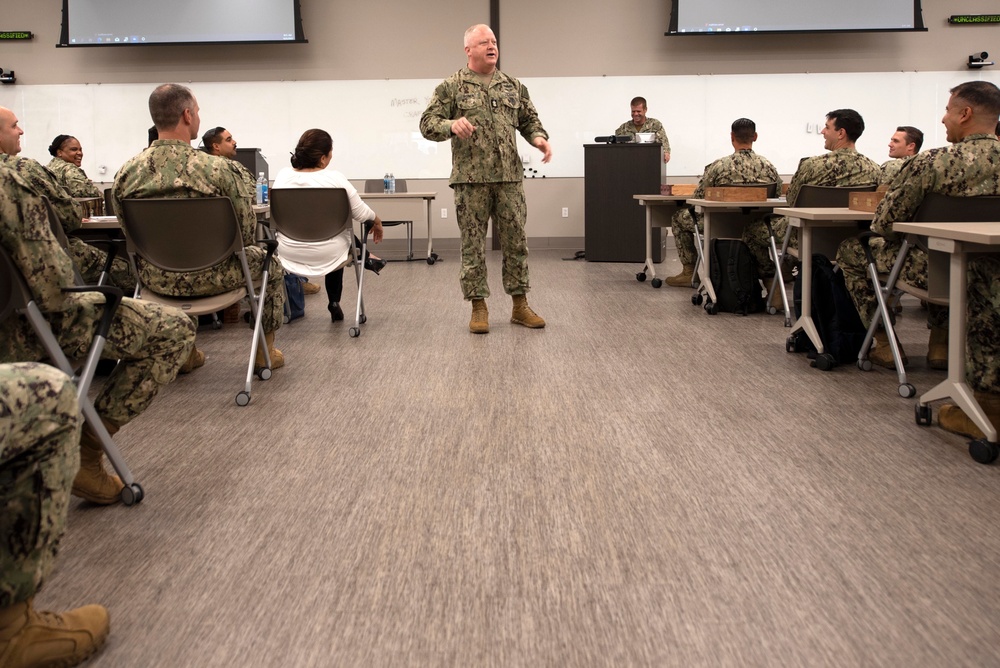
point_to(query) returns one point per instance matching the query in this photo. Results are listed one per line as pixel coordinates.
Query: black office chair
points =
(376, 186)
(888, 288)
(819, 197)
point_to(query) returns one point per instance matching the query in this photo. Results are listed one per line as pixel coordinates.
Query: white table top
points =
(987, 234)
(758, 204)
(661, 198)
(421, 195)
(828, 213)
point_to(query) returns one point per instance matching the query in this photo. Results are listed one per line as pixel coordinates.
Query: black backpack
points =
(735, 277)
(833, 312)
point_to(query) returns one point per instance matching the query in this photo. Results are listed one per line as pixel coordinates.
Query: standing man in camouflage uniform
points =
(903, 144)
(479, 108)
(89, 260)
(171, 167)
(743, 166)
(640, 123)
(39, 432)
(842, 166)
(150, 340)
(970, 166)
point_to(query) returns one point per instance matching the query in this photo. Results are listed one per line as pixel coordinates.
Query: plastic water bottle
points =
(264, 189)
(385, 184)
(260, 188)
(392, 184)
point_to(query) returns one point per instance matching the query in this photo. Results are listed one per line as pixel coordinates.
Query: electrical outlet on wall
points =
(565, 212)
(444, 213)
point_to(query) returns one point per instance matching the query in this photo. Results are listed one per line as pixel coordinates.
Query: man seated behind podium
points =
(842, 166)
(171, 167)
(219, 142)
(904, 143)
(89, 260)
(640, 123)
(743, 166)
(969, 167)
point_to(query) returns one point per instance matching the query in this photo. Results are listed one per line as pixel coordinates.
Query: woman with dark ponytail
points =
(67, 155)
(310, 160)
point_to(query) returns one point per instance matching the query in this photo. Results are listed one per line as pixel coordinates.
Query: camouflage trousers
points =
(223, 277)
(152, 342)
(982, 354)
(682, 225)
(475, 204)
(853, 263)
(39, 457)
(89, 261)
(757, 239)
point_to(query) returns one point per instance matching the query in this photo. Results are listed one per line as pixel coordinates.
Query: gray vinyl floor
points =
(639, 483)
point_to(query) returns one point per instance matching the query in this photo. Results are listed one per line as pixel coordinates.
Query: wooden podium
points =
(614, 223)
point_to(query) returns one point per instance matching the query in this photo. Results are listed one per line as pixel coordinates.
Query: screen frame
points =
(65, 43)
(918, 20)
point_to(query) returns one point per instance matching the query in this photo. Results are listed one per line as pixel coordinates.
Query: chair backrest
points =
(55, 225)
(947, 209)
(826, 197)
(109, 208)
(11, 286)
(182, 233)
(772, 188)
(376, 185)
(310, 214)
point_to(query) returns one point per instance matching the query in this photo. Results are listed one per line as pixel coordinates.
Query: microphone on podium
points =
(613, 139)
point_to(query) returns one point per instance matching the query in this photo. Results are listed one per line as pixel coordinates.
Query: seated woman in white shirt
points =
(310, 160)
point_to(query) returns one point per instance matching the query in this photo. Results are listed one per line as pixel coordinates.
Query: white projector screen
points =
(699, 17)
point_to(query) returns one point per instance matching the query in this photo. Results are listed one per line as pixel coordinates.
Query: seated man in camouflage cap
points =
(171, 167)
(970, 166)
(743, 166)
(89, 260)
(39, 432)
(151, 341)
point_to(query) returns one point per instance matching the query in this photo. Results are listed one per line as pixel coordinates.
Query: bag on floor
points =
(295, 300)
(833, 312)
(736, 278)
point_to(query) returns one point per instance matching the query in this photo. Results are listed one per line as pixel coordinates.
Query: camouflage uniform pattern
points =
(487, 173)
(39, 457)
(89, 260)
(889, 170)
(151, 341)
(249, 180)
(982, 356)
(651, 125)
(743, 166)
(968, 168)
(73, 179)
(843, 167)
(173, 168)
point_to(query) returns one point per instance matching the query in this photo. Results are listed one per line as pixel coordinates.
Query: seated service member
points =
(640, 123)
(151, 341)
(89, 260)
(970, 166)
(39, 431)
(842, 166)
(904, 143)
(743, 166)
(67, 155)
(171, 167)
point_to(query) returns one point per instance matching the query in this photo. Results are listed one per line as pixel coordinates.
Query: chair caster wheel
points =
(922, 414)
(656, 283)
(866, 365)
(243, 398)
(790, 344)
(697, 299)
(217, 324)
(641, 276)
(432, 258)
(132, 494)
(772, 311)
(907, 391)
(355, 332)
(264, 373)
(363, 319)
(984, 451)
(788, 322)
(825, 362)
(711, 308)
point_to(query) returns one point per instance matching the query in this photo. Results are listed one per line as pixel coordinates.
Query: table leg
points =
(805, 322)
(705, 269)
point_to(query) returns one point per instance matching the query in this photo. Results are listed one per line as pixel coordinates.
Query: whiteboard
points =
(374, 123)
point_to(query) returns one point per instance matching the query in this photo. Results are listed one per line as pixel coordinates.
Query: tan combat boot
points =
(195, 359)
(31, 638)
(683, 279)
(480, 322)
(277, 359)
(952, 418)
(937, 349)
(523, 315)
(310, 288)
(881, 352)
(92, 482)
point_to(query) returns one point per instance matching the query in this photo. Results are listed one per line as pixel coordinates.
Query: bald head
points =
(10, 132)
